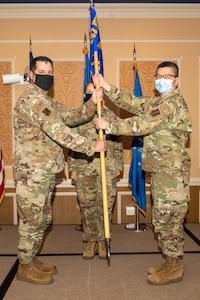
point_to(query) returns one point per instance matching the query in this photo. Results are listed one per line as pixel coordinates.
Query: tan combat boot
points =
(90, 250)
(30, 273)
(102, 251)
(172, 271)
(49, 269)
(152, 270)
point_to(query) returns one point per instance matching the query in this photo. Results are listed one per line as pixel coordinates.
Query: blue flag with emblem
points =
(87, 76)
(136, 174)
(95, 43)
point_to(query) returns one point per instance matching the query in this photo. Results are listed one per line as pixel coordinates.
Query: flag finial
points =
(85, 40)
(85, 48)
(91, 3)
(134, 59)
(134, 53)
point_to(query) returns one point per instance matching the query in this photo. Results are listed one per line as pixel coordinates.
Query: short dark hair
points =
(88, 83)
(33, 65)
(169, 64)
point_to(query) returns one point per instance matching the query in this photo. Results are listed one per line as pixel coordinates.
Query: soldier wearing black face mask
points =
(45, 82)
(85, 171)
(41, 127)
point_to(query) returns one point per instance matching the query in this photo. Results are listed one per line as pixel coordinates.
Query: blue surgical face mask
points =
(163, 86)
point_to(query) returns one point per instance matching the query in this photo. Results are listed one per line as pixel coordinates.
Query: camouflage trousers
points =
(89, 192)
(34, 204)
(170, 193)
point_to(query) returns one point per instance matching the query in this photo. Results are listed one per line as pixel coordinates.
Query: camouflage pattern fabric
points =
(41, 128)
(170, 193)
(89, 180)
(165, 124)
(89, 191)
(34, 196)
(165, 135)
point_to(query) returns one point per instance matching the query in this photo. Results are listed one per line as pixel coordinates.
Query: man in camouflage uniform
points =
(165, 123)
(86, 172)
(41, 129)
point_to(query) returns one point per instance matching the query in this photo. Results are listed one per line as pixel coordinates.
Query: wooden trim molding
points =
(66, 209)
(105, 10)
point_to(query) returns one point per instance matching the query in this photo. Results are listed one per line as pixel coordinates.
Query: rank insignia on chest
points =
(165, 109)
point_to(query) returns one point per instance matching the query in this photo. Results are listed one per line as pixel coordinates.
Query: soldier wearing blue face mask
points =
(167, 82)
(165, 123)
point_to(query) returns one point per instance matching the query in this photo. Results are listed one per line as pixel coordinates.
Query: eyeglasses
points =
(166, 76)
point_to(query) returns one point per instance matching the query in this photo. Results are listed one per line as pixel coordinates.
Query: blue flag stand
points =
(137, 229)
(136, 226)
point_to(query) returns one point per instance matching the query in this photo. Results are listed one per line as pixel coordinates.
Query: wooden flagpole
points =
(103, 171)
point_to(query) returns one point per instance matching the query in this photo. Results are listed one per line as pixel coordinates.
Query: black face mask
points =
(87, 97)
(44, 82)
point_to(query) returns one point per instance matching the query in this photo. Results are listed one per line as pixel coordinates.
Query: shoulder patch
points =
(42, 107)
